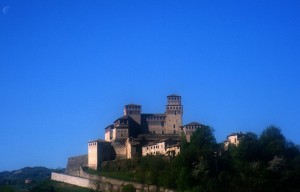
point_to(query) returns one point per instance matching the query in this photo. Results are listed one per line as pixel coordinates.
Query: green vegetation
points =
(33, 173)
(128, 188)
(45, 186)
(54, 186)
(259, 163)
(15, 180)
(7, 188)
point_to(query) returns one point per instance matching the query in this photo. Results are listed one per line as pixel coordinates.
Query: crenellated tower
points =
(133, 111)
(174, 111)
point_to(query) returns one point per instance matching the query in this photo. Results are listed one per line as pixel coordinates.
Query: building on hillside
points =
(190, 128)
(163, 147)
(173, 150)
(234, 139)
(28, 181)
(129, 135)
(137, 134)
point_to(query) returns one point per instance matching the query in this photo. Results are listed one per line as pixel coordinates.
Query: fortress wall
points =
(105, 152)
(74, 164)
(103, 183)
(120, 151)
(82, 182)
(157, 127)
(110, 184)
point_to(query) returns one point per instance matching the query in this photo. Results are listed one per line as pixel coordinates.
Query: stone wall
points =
(104, 184)
(82, 182)
(75, 163)
(120, 150)
(109, 184)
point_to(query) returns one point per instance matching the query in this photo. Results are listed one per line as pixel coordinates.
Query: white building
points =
(163, 147)
(234, 139)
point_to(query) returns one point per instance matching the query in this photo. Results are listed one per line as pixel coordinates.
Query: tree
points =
(203, 138)
(184, 142)
(272, 143)
(6, 189)
(248, 149)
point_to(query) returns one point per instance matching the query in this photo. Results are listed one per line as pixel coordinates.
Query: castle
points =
(137, 134)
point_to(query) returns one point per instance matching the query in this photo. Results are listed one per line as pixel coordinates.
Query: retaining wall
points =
(82, 182)
(104, 183)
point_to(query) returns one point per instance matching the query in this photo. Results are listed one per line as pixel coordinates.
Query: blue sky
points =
(67, 68)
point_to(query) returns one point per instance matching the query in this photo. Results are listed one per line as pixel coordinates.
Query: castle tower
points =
(134, 111)
(98, 151)
(121, 128)
(174, 111)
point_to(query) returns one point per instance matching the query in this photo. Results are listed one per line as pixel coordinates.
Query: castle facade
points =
(136, 134)
(134, 122)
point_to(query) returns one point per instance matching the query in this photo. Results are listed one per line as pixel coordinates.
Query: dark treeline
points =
(267, 162)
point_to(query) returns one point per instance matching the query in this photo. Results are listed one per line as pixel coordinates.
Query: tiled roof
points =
(123, 117)
(193, 124)
(132, 104)
(110, 126)
(239, 135)
(98, 140)
(175, 145)
(157, 141)
(173, 95)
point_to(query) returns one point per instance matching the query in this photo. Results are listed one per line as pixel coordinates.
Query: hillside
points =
(32, 175)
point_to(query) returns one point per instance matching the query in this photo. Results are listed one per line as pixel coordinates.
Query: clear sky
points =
(67, 68)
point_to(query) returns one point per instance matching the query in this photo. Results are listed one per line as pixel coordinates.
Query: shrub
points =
(128, 188)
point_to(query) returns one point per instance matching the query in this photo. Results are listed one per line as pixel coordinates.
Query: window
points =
(174, 126)
(162, 132)
(174, 131)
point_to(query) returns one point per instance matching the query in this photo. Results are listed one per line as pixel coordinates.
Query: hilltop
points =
(26, 177)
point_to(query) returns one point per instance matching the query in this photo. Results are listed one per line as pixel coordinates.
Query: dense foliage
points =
(54, 186)
(259, 163)
(128, 188)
